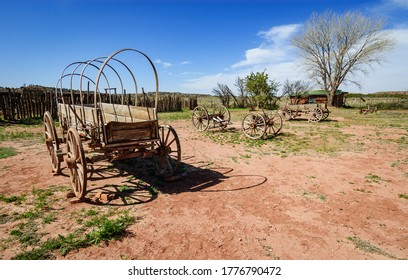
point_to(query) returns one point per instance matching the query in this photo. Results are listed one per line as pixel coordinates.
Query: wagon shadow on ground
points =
(141, 185)
(207, 177)
(301, 119)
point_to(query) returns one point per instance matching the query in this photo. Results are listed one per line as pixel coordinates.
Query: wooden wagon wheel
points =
(326, 113)
(315, 115)
(168, 151)
(51, 141)
(254, 126)
(274, 123)
(76, 163)
(222, 115)
(289, 114)
(200, 118)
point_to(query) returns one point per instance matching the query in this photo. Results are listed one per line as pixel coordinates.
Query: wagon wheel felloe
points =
(254, 125)
(326, 113)
(168, 151)
(200, 118)
(76, 163)
(289, 114)
(274, 123)
(316, 115)
(51, 141)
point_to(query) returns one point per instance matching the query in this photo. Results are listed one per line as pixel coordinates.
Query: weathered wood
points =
(127, 132)
(131, 112)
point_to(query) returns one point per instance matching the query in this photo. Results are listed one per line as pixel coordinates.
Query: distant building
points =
(318, 96)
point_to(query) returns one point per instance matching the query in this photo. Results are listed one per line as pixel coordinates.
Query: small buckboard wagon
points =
(256, 125)
(316, 112)
(97, 130)
(201, 119)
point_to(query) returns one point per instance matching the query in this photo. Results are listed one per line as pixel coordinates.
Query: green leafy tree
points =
(262, 91)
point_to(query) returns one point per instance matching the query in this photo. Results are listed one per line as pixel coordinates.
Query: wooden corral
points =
(34, 101)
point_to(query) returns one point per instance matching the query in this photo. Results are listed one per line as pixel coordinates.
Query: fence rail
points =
(32, 103)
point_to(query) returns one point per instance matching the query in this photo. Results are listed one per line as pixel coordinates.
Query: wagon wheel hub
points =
(163, 151)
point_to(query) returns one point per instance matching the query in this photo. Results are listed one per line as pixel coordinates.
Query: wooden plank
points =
(133, 112)
(131, 131)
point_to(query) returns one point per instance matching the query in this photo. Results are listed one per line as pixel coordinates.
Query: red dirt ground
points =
(230, 206)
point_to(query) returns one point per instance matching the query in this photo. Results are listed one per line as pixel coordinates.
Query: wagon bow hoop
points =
(134, 50)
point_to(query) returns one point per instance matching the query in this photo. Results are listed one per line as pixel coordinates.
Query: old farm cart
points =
(105, 131)
(256, 125)
(201, 119)
(315, 112)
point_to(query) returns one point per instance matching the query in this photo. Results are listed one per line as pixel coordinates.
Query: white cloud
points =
(279, 35)
(387, 7)
(163, 63)
(275, 47)
(185, 62)
(399, 3)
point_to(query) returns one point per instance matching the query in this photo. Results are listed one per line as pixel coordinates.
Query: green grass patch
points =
(11, 135)
(367, 247)
(6, 152)
(173, 116)
(17, 200)
(314, 195)
(403, 195)
(373, 178)
(88, 227)
(232, 137)
(362, 190)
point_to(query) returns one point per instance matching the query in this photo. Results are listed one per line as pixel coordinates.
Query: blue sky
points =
(195, 44)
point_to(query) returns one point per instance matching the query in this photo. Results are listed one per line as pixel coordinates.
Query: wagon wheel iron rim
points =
(76, 163)
(274, 123)
(316, 115)
(254, 126)
(326, 113)
(200, 118)
(51, 141)
(288, 114)
(168, 152)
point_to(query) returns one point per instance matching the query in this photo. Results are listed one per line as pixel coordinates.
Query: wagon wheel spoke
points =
(316, 115)
(51, 141)
(223, 113)
(274, 123)
(200, 118)
(253, 126)
(168, 152)
(289, 114)
(76, 163)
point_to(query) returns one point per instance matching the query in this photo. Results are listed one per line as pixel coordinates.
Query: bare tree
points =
(296, 89)
(241, 100)
(335, 48)
(224, 93)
